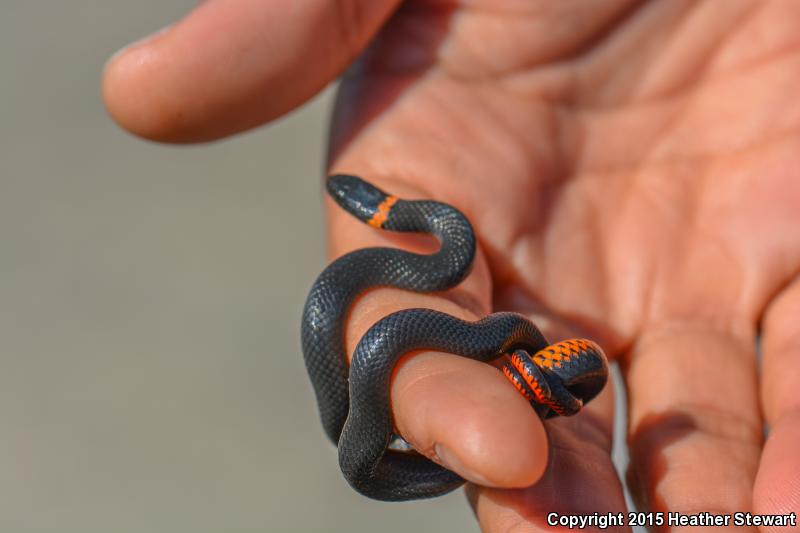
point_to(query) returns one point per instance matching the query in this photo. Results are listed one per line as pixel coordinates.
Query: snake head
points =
(356, 196)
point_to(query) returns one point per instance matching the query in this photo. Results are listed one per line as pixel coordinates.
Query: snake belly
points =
(354, 402)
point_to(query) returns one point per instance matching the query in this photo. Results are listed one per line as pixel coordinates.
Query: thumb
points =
(458, 412)
(230, 65)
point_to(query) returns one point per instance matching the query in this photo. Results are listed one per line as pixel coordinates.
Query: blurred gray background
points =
(149, 308)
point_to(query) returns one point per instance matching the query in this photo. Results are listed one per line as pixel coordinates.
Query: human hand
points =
(631, 172)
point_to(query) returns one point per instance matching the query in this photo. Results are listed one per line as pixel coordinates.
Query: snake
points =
(353, 401)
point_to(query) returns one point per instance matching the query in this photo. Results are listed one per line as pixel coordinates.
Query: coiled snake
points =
(354, 404)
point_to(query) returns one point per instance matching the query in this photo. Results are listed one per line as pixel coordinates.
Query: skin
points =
(633, 174)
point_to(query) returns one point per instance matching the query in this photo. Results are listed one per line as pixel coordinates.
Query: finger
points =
(777, 488)
(458, 412)
(694, 421)
(230, 65)
(580, 480)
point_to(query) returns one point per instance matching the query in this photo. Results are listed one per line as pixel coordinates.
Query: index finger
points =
(580, 489)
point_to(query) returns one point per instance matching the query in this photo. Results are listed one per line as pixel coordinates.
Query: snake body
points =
(354, 403)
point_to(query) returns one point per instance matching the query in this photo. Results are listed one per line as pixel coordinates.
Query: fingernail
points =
(450, 461)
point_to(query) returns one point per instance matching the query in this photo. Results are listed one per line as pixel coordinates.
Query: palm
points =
(616, 202)
(637, 188)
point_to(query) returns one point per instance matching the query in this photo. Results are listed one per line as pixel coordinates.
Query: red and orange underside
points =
(550, 357)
